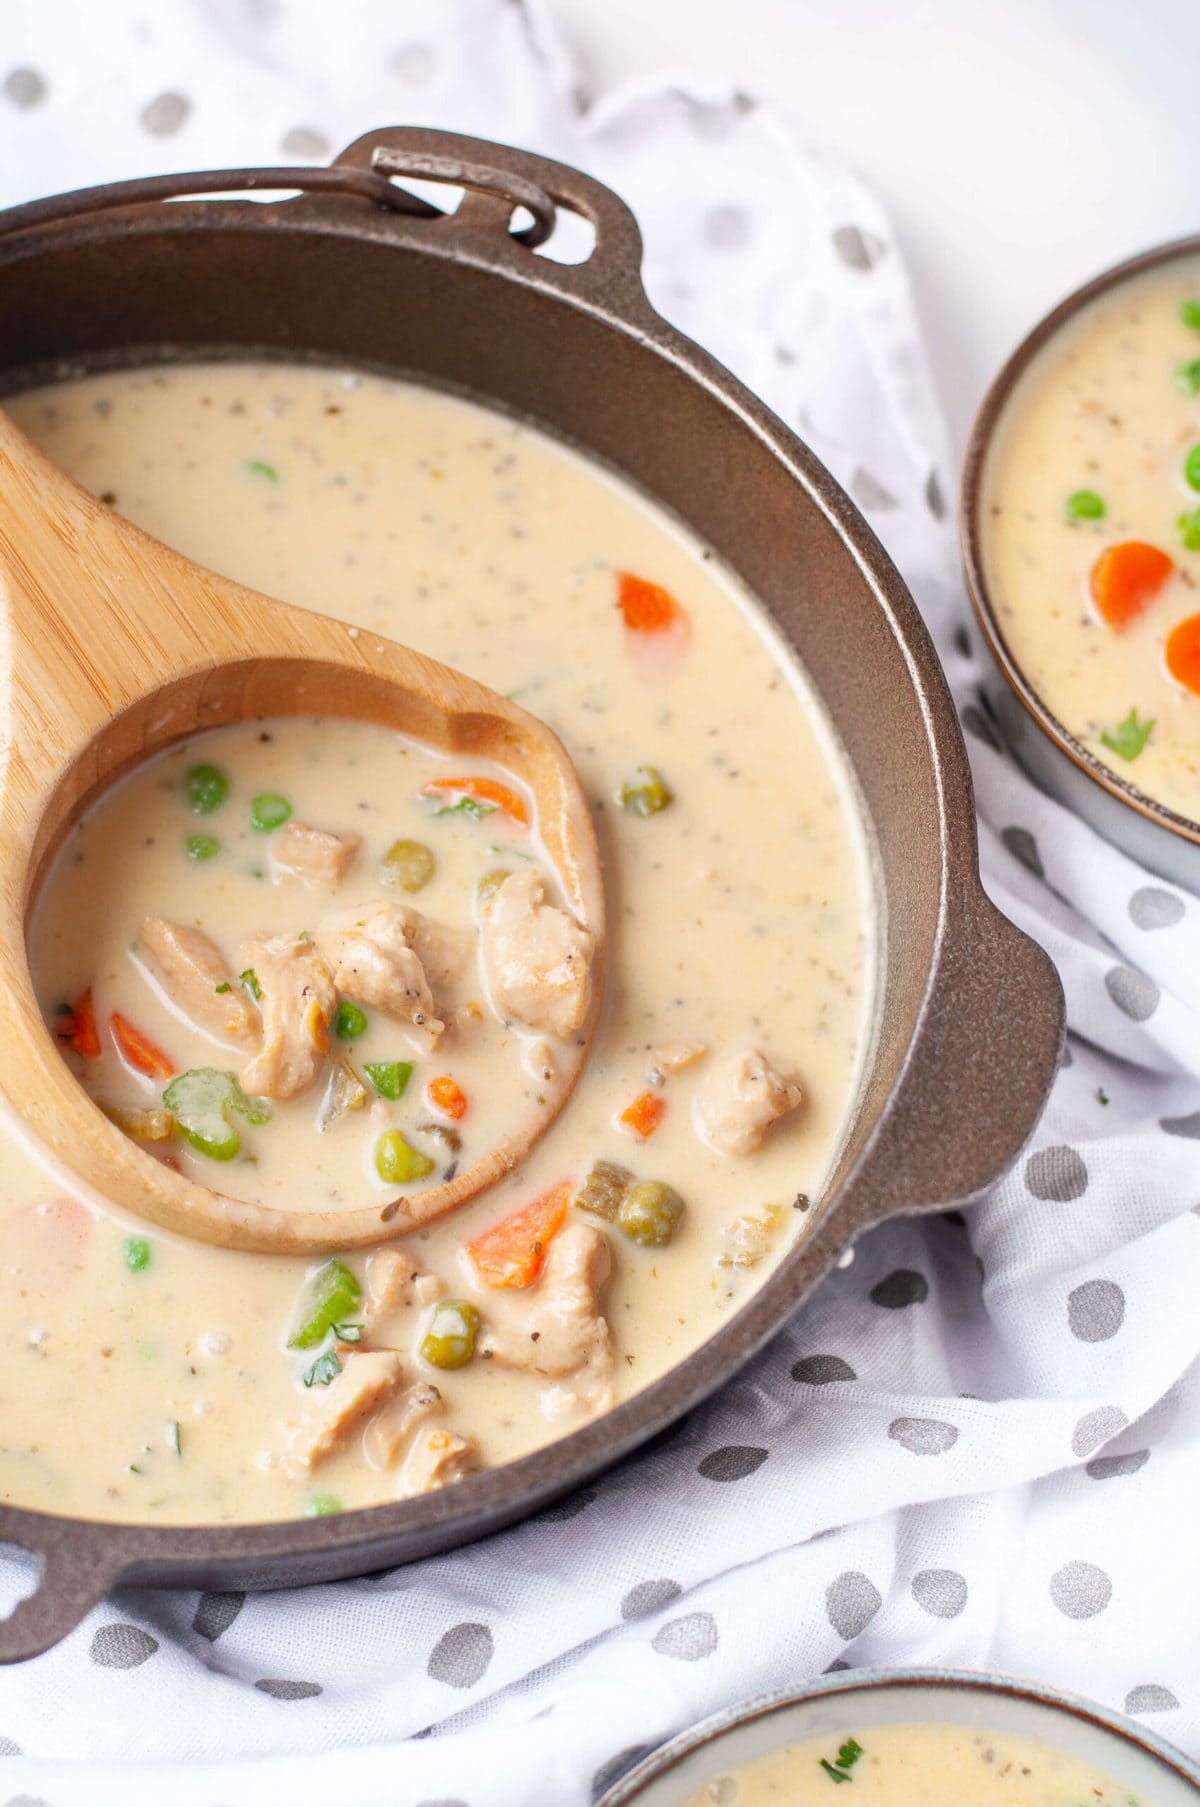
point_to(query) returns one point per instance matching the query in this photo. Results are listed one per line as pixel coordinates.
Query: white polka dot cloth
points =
(978, 1444)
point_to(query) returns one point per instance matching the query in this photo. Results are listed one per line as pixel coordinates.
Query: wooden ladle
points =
(116, 647)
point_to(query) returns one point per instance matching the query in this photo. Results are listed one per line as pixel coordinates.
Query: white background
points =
(1020, 145)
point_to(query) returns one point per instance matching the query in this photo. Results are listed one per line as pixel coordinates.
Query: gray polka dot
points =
(869, 492)
(1188, 1126)
(1095, 1310)
(859, 249)
(1057, 1174)
(24, 87)
(649, 1597)
(940, 1592)
(305, 141)
(1150, 1697)
(903, 1286)
(216, 1613)
(1110, 1468)
(851, 1601)
(164, 114)
(923, 1436)
(1151, 908)
(10, 1748)
(280, 1688)
(568, 1508)
(689, 1639)
(1023, 847)
(821, 1370)
(977, 723)
(414, 63)
(461, 1655)
(1097, 1427)
(733, 1462)
(617, 1766)
(1080, 1590)
(727, 228)
(935, 501)
(1132, 992)
(122, 1646)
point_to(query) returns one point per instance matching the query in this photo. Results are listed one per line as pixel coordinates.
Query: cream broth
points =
(151, 1378)
(1094, 452)
(917, 1766)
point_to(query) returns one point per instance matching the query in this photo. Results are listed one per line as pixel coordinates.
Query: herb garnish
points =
(327, 1367)
(259, 467)
(250, 980)
(847, 1757)
(467, 806)
(1129, 737)
(173, 1436)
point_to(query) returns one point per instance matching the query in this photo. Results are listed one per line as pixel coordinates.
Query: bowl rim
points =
(982, 436)
(627, 1790)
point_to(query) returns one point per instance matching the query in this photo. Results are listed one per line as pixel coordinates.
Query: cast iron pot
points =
(356, 271)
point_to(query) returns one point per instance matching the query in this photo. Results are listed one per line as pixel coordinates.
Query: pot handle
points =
(988, 1044)
(79, 1566)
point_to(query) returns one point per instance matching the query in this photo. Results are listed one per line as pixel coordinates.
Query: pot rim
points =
(854, 1683)
(982, 436)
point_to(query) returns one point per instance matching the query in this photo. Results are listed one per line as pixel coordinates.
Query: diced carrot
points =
(647, 608)
(645, 1114)
(1183, 653)
(79, 1030)
(512, 1252)
(138, 1051)
(446, 1095)
(1125, 579)
(484, 790)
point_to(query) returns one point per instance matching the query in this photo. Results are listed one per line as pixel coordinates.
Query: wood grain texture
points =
(114, 648)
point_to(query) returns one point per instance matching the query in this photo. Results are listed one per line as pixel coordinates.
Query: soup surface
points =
(1091, 531)
(917, 1766)
(153, 1378)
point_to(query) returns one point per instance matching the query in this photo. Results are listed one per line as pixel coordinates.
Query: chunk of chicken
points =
(395, 1283)
(372, 953)
(436, 1458)
(672, 1057)
(555, 1327)
(315, 856)
(298, 999)
(538, 959)
(336, 1412)
(739, 1098)
(198, 980)
(390, 1429)
(746, 1239)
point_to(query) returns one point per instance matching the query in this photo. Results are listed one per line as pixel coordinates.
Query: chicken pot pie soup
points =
(1090, 531)
(313, 961)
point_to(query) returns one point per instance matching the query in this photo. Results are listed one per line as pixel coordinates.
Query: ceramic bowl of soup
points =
(1081, 543)
(812, 1017)
(914, 1738)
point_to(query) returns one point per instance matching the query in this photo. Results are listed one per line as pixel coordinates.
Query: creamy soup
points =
(917, 1766)
(1091, 531)
(153, 1378)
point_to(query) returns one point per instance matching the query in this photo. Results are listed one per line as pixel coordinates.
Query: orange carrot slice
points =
(138, 1051)
(647, 608)
(446, 1095)
(1125, 579)
(79, 1029)
(1183, 653)
(645, 1114)
(483, 790)
(513, 1251)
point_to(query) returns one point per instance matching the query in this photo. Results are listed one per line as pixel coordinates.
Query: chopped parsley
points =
(1129, 737)
(467, 806)
(173, 1440)
(843, 1763)
(137, 1254)
(223, 986)
(258, 467)
(327, 1367)
(1101, 1095)
(250, 980)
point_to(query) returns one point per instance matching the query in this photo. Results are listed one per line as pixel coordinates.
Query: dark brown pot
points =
(969, 1015)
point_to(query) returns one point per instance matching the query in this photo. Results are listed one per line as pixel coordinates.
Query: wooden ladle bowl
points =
(116, 647)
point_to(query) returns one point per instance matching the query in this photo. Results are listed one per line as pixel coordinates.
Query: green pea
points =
(322, 1505)
(1084, 505)
(407, 864)
(389, 1077)
(450, 1340)
(1189, 313)
(649, 1213)
(137, 1254)
(349, 1021)
(1189, 530)
(269, 810)
(1191, 468)
(203, 847)
(489, 884)
(648, 797)
(1187, 377)
(206, 787)
(397, 1163)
